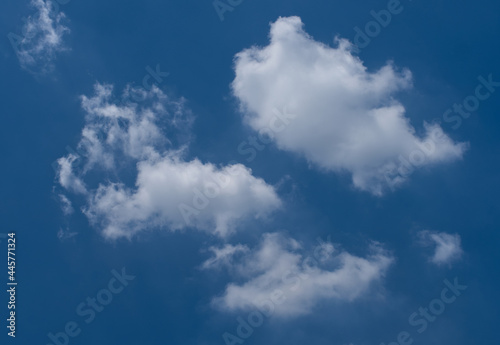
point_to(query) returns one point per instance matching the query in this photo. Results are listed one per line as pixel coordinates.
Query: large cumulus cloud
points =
(346, 118)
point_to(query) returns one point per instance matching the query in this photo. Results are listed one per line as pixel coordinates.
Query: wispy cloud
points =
(447, 247)
(66, 205)
(43, 37)
(65, 234)
(223, 256)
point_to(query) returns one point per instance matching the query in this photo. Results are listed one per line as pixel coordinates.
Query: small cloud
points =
(65, 234)
(67, 177)
(43, 37)
(447, 246)
(223, 256)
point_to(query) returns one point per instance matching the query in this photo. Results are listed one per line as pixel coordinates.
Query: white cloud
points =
(447, 246)
(169, 192)
(42, 37)
(345, 117)
(66, 205)
(177, 194)
(280, 278)
(66, 176)
(223, 256)
(129, 130)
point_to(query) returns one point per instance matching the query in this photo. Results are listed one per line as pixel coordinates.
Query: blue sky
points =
(119, 120)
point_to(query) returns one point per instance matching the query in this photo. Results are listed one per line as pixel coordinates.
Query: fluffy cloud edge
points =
(279, 278)
(169, 192)
(346, 119)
